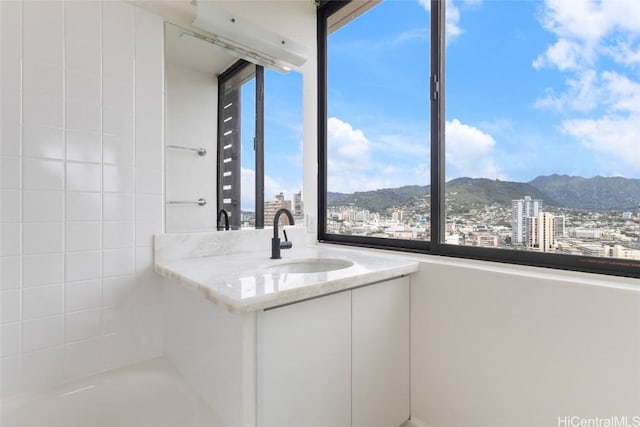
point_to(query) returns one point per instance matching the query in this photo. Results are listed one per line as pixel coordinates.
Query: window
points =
(259, 144)
(377, 127)
(240, 142)
(535, 159)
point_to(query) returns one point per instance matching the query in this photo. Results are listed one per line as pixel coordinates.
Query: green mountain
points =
(379, 200)
(598, 193)
(469, 193)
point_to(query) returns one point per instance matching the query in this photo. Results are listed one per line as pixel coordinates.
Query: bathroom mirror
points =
(194, 181)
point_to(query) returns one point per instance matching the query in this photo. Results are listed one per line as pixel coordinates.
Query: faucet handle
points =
(285, 235)
(286, 245)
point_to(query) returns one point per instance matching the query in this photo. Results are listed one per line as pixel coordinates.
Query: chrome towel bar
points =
(199, 202)
(201, 151)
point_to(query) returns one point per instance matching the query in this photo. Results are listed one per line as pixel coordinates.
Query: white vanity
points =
(268, 343)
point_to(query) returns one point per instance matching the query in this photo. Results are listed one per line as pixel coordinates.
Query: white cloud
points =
(564, 54)
(357, 164)
(419, 34)
(582, 93)
(453, 29)
(349, 148)
(404, 145)
(584, 29)
(622, 94)
(616, 138)
(625, 52)
(591, 33)
(470, 152)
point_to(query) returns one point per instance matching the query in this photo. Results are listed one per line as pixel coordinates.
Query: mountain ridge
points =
(562, 191)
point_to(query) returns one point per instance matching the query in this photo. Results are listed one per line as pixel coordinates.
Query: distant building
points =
(298, 205)
(271, 207)
(541, 232)
(487, 240)
(452, 239)
(619, 251)
(561, 230)
(592, 249)
(397, 216)
(585, 233)
(521, 210)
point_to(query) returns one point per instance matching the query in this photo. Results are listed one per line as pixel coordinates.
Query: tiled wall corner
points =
(81, 187)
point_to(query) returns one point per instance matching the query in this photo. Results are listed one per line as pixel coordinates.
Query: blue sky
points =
(533, 88)
(282, 134)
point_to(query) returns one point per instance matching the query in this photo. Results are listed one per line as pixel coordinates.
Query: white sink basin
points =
(309, 265)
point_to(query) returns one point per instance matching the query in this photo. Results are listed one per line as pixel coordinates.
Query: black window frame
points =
(607, 266)
(253, 71)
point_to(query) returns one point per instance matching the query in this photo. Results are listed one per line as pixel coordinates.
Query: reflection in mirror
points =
(193, 67)
(283, 145)
(239, 139)
(253, 186)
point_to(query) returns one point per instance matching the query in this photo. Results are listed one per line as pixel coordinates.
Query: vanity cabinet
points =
(338, 360)
(380, 354)
(306, 363)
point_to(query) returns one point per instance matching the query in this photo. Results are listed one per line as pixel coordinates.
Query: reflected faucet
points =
(226, 219)
(276, 245)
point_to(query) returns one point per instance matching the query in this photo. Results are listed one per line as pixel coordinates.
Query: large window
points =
(534, 129)
(377, 127)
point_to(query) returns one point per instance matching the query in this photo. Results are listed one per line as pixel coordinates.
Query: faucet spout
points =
(226, 219)
(276, 245)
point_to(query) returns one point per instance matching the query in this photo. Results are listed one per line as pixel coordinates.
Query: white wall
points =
(192, 115)
(81, 189)
(496, 345)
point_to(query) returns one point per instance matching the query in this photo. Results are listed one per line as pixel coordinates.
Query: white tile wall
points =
(10, 272)
(82, 325)
(81, 97)
(39, 206)
(82, 295)
(83, 206)
(46, 269)
(42, 301)
(83, 265)
(11, 238)
(83, 236)
(11, 206)
(42, 333)
(10, 344)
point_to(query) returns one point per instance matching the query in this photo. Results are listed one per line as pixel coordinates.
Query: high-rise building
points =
(561, 230)
(521, 210)
(271, 207)
(541, 232)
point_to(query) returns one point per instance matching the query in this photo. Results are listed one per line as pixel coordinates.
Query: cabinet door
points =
(306, 368)
(381, 375)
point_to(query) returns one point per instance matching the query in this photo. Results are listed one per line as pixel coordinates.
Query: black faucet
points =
(226, 219)
(276, 245)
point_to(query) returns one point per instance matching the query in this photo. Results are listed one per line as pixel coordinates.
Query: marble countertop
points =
(241, 282)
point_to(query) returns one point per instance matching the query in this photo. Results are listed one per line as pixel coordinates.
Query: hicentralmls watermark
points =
(613, 421)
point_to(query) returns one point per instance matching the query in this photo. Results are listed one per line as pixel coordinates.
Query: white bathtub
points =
(147, 394)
